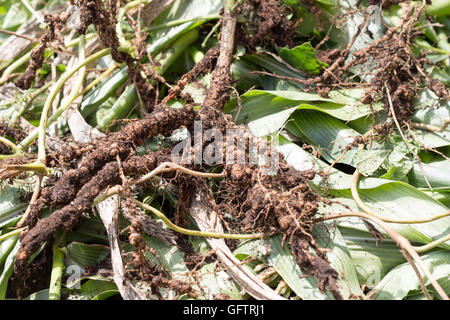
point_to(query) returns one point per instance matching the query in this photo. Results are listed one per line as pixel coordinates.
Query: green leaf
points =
(439, 8)
(215, 282)
(368, 161)
(102, 92)
(93, 290)
(303, 58)
(7, 270)
(180, 10)
(402, 280)
(371, 260)
(398, 200)
(325, 132)
(339, 256)
(16, 16)
(170, 256)
(11, 205)
(40, 295)
(6, 246)
(285, 264)
(87, 254)
(437, 172)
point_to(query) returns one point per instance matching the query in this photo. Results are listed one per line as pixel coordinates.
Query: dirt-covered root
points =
(204, 66)
(265, 23)
(398, 69)
(55, 25)
(67, 217)
(283, 203)
(316, 265)
(122, 143)
(104, 21)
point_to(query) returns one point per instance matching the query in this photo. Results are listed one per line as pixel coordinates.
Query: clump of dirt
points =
(265, 23)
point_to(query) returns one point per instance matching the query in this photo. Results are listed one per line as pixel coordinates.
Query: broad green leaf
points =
(437, 172)
(6, 246)
(180, 10)
(431, 110)
(390, 199)
(398, 283)
(89, 230)
(439, 8)
(282, 260)
(102, 92)
(329, 237)
(170, 256)
(372, 261)
(40, 295)
(7, 270)
(294, 155)
(398, 200)
(325, 132)
(303, 58)
(87, 254)
(214, 282)
(17, 15)
(93, 290)
(368, 161)
(11, 206)
(342, 104)
(271, 64)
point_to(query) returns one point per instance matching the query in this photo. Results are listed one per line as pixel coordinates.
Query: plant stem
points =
(10, 234)
(188, 232)
(96, 81)
(181, 21)
(10, 144)
(33, 12)
(16, 64)
(432, 245)
(55, 89)
(125, 45)
(362, 205)
(170, 166)
(54, 292)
